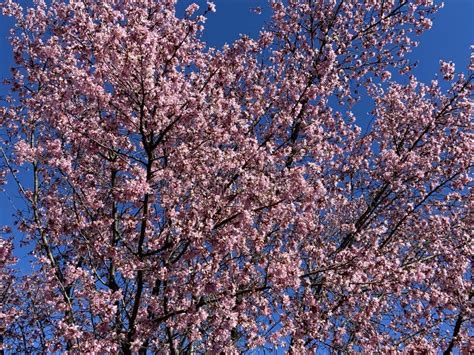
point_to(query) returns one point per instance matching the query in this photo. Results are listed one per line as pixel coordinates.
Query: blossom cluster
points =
(187, 199)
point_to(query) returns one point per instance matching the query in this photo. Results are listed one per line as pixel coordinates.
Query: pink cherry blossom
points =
(447, 68)
(185, 199)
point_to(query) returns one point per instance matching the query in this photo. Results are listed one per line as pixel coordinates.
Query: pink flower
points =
(211, 6)
(448, 70)
(191, 9)
(386, 75)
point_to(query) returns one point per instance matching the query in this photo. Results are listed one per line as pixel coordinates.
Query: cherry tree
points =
(187, 199)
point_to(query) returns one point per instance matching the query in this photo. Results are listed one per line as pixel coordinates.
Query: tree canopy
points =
(186, 199)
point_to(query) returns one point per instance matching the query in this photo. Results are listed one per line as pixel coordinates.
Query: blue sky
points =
(449, 39)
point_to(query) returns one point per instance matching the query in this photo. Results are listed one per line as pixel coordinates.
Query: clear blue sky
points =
(449, 39)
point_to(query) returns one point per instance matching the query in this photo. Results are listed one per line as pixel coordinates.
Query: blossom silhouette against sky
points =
(230, 200)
